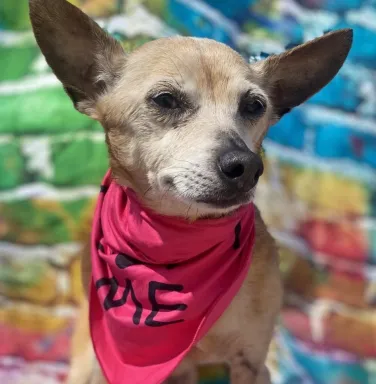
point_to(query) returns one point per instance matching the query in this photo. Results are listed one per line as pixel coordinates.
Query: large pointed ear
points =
(294, 76)
(81, 54)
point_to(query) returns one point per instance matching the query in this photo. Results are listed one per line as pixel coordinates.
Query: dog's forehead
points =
(193, 62)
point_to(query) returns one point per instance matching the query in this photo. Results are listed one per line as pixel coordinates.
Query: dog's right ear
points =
(81, 54)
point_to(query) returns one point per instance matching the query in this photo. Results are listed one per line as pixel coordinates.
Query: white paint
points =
(40, 64)
(28, 84)
(37, 152)
(346, 168)
(63, 282)
(63, 311)
(60, 253)
(318, 114)
(47, 192)
(364, 17)
(138, 22)
(313, 22)
(317, 314)
(11, 38)
(6, 139)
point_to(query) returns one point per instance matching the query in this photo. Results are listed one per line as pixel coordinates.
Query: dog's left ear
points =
(295, 75)
(81, 54)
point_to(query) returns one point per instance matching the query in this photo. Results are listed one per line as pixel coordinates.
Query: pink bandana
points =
(159, 283)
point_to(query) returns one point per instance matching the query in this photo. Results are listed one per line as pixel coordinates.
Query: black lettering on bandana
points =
(124, 261)
(110, 302)
(154, 286)
(238, 229)
(104, 188)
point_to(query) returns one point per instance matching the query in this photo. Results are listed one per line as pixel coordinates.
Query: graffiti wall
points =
(318, 193)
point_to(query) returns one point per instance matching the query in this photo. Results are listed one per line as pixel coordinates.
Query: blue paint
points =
(290, 130)
(230, 8)
(339, 6)
(345, 86)
(336, 141)
(198, 22)
(363, 50)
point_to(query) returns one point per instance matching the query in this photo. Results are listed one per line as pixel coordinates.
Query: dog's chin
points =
(212, 205)
(223, 203)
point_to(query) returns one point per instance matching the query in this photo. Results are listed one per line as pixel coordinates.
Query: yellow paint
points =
(327, 193)
(31, 319)
(43, 291)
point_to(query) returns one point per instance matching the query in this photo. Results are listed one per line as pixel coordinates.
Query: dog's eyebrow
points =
(168, 84)
(253, 92)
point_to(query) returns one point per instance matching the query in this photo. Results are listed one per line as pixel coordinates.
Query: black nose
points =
(240, 166)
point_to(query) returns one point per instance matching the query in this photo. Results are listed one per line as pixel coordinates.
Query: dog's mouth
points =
(224, 202)
(215, 198)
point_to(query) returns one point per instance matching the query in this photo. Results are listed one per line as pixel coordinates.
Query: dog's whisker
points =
(189, 208)
(147, 190)
(185, 161)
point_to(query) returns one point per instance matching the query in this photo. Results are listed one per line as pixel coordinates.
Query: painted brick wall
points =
(318, 193)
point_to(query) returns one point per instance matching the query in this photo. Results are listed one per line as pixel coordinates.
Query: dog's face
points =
(184, 118)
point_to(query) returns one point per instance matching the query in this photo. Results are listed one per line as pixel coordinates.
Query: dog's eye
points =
(252, 108)
(166, 100)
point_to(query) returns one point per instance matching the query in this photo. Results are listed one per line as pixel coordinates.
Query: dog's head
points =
(184, 118)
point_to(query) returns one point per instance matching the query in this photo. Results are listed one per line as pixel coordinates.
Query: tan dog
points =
(172, 110)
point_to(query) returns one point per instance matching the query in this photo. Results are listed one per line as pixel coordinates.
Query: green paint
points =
(43, 222)
(14, 14)
(157, 7)
(15, 274)
(44, 110)
(11, 164)
(133, 43)
(16, 61)
(79, 162)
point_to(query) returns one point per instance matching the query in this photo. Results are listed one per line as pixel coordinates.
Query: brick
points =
(290, 130)
(332, 194)
(336, 239)
(35, 346)
(30, 318)
(44, 110)
(363, 50)
(97, 8)
(14, 15)
(31, 280)
(58, 160)
(292, 31)
(372, 245)
(76, 292)
(11, 164)
(312, 283)
(236, 11)
(16, 61)
(79, 162)
(197, 21)
(335, 331)
(40, 221)
(319, 364)
(339, 6)
(346, 86)
(373, 202)
(337, 141)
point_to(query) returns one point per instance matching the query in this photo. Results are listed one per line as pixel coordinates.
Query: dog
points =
(184, 120)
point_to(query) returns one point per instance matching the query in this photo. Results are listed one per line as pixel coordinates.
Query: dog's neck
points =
(124, 220)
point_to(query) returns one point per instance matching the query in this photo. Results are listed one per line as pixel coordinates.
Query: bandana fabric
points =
(159, 283)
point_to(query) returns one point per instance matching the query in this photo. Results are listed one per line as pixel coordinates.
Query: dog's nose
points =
(240, 167)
